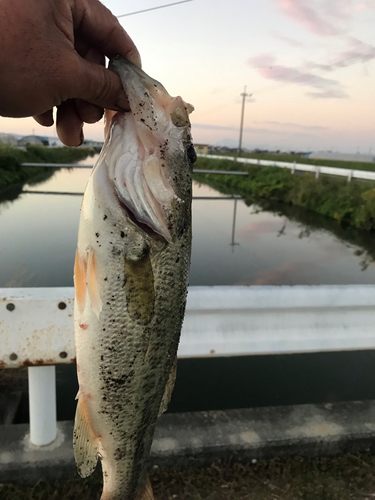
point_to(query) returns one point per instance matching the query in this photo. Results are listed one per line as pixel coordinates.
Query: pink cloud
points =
(266, 66)
(356, 52)
(365, 5)
(289, 41)
(301, 12)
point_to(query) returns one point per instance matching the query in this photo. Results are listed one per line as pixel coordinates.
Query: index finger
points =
(98, 25)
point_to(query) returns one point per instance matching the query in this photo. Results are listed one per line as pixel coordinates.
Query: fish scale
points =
(131, 275)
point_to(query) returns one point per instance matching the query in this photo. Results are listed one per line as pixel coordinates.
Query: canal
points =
(233, 244)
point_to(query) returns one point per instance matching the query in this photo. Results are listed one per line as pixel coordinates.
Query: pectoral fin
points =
(168, 388)
(139, 288)
(85, 442)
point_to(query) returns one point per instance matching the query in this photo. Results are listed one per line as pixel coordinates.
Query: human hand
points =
(52, 53)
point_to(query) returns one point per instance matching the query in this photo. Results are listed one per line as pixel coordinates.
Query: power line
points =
(154, 8)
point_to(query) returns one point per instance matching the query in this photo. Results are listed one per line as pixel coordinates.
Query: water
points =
(282, 246)
(38, 235)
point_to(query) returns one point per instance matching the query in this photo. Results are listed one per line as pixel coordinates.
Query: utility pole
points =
(244, 95)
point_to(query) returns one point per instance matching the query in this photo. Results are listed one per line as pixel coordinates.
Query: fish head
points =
(149, 153)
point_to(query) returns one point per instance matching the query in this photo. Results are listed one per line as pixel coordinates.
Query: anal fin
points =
(146, 492)
(168, 388)
(85, 443)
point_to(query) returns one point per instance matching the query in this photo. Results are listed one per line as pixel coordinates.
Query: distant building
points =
(201, 149)
(329, 155)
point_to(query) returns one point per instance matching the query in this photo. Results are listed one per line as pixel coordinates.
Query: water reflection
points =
(233, 243)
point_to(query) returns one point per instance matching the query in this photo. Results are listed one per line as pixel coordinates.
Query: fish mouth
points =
(137, 148)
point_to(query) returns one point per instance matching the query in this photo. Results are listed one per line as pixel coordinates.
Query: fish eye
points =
(192, 155)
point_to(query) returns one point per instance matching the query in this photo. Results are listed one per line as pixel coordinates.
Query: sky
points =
(309, 66)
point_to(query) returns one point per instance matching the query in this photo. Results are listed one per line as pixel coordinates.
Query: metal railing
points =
(76, 165)
(303, 167)
(36, 330)
(293, 166)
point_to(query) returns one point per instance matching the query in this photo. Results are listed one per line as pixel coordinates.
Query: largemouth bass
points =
(131, 275)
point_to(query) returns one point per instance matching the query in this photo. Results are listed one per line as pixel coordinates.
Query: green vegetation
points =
(340, 478)
(12, 174)
(348, 203)
(350, 165)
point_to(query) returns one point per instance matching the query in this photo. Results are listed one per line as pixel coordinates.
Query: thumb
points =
(98, 85)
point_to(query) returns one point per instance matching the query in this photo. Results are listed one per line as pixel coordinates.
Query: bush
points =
(348, 203)
(12, 172)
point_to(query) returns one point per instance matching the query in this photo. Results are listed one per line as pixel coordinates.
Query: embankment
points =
(349, 203)
(290, 158)
(13, 175)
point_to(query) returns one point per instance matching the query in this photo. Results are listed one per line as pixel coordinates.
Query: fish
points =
(131, 278)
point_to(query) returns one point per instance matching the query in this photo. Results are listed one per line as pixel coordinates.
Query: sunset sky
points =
(309, 65)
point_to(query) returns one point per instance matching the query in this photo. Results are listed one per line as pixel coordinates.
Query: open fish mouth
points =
(139, 147)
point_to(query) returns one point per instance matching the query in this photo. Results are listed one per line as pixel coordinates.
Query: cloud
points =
(356, 52)
(328, 94)
(213, 127)
(265, 64)
(262, 60)
(253, 130)
(312, 128)
(289, 41)
(309, 17)
(321, 66)
(369, 4)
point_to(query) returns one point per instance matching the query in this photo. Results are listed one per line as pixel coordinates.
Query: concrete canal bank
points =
(200, 438)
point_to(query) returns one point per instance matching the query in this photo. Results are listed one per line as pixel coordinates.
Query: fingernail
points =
(123, 103)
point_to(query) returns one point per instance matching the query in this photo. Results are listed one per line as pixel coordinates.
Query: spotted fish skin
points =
(131, 276)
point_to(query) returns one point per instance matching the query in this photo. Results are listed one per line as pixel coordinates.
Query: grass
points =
(351, 204)
(350, 165)
(345, 477)
(12, 173)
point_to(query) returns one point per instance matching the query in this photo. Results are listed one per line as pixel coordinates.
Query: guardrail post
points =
(317, 171)
(42, 404)
(350, 175)
(294, 168)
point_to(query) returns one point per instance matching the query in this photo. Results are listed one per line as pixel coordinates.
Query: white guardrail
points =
(293, 166)
(304, 167)
(36, 330)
